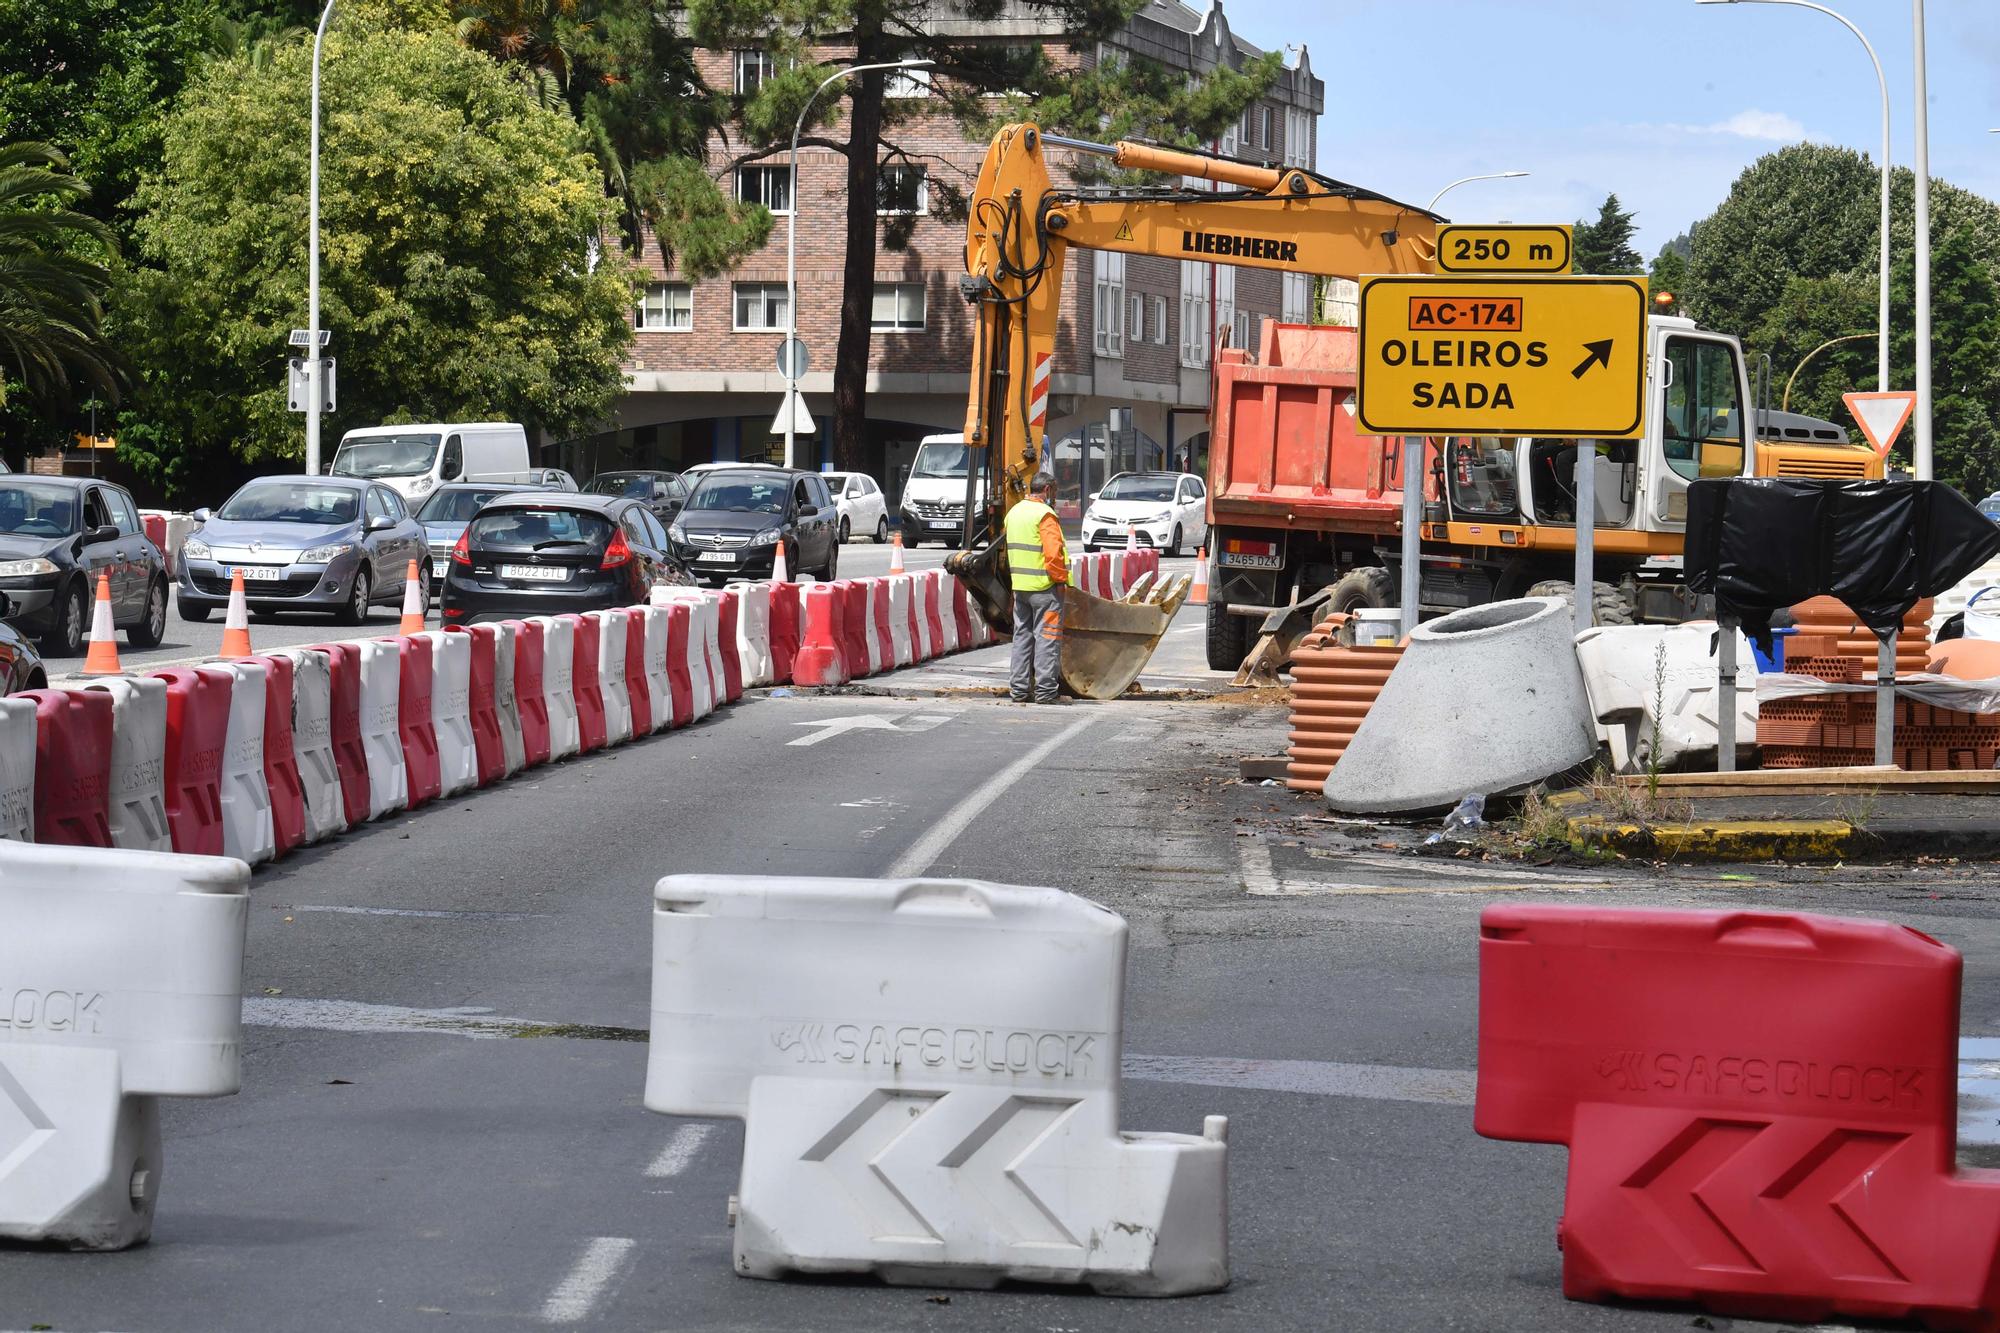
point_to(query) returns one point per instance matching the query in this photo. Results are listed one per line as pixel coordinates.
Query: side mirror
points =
(375, 523)
(201, 515)
(103, 532)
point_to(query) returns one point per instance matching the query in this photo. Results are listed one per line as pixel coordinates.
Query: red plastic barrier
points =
(1101, 571)
(635, 671)
(927, 588)
(156, 532)
(413, 719)
(350, 756)
(680, 684)
(529, 700)
(819, 661)
(281, 761)
(854, 622)
(489, 758)
(878, 617)
(962, 612)
(72, 766)
(197, 725)
(589, 690)
(1761, 1109)
(786, 627)
(732, 658)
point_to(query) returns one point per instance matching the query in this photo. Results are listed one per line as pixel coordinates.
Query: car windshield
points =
(740, 493)
(941, 460)
(562, 531)
(292, 502)
(456, 506)
(29, 510)
(385, 456)
(1132, 486)
(638, 485)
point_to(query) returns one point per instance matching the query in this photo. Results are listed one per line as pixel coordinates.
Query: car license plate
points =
(716, 558)
(258, 573)
(534, 573)
(944, 523)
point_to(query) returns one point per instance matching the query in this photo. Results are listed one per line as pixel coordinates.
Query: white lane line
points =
(1324, 1078)
(927, 849)
(1258, 877)
(423, 913)
(573, 1298)
(680, 1151)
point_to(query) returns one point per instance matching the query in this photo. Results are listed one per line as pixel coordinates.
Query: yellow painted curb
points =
(1722, 840)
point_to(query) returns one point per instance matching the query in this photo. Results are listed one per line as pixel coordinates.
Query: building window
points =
(1159, 321)
(666, 307)
(1239, 332)
(1225, 307)
(1107, 323)
(1135, 318)
(752, 69)
(899, 307)
(769, 186)
(1194, 313)
(903, 187)
(761, 306)
(1264, 119)
(1298, 137)
(1295, 306)
(907, 83)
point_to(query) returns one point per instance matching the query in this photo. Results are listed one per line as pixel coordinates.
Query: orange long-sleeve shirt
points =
(1055, 551)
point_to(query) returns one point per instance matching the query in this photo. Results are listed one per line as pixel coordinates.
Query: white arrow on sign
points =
(830, 727)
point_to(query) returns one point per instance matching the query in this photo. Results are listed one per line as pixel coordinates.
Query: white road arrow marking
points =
(829, 727)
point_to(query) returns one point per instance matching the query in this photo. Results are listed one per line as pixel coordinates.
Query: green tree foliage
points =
(1965, 356)
(51, 288)
(459, 227)
(976, 79)
(1605, 246)
(1667, 276)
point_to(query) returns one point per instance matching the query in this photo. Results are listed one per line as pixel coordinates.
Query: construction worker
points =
(1038, 571)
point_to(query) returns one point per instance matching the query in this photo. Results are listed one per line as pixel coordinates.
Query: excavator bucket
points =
(1106, 644)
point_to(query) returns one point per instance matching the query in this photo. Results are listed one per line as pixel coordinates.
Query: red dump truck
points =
(1301, 504)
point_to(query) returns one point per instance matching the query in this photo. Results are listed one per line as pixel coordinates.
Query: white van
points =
(933, 504)
(417, 459)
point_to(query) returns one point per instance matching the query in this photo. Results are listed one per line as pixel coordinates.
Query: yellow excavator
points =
(1019, 231)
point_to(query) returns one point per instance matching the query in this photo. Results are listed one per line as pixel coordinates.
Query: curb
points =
(1726, 840)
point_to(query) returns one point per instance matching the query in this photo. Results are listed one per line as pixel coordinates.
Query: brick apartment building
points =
(1137, 331)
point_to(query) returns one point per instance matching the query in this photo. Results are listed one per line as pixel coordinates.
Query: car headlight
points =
(678, 533)
(194, 548)
(1092, 516)
(16, 569)
(1160, 517)
(325, 555)
(768, 537)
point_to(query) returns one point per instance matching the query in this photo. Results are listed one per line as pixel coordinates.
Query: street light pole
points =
(792, 244)
(1921, 164)
(1881, 83)
(1431, 207)
(315, 362)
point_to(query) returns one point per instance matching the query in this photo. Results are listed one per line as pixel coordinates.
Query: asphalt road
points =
(393, 1164)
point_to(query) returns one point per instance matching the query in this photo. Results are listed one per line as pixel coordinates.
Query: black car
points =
(57, 534)
(663, 492)
(20, 665)
(542, 553)
(735, 517)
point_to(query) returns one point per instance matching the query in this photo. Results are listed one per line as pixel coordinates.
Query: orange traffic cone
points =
(779, 574)
(1132, 541)
(102, 660)
(236, 625)
(1199, 595)
(413, 603)
(896, 553)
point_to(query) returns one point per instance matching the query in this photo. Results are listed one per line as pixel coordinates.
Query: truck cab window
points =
(1701, 426)
(1480, 473)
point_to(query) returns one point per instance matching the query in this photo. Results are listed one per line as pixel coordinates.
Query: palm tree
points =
(51, 290)
(534, 35)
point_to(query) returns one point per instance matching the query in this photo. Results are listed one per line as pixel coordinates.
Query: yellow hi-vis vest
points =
(1026, 570)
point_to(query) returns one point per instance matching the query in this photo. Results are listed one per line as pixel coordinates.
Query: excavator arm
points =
(1020, 227)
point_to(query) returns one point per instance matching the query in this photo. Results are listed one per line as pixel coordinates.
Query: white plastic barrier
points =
(138, 801)
(899, 619)
(1648, 681)
(753, 633)
(381, 674)
(922, 588)
(659, 685)
(17, 769)
(947, 615)
(1119, 586)
(247, 833)
(942, 1108)
(704, 643)
(611, 630)
(312, 742)
(122, 975)
(451, 711)
(880, 654)
(513, 750)
(558, 685)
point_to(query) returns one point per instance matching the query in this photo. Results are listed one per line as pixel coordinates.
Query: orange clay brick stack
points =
(1332, 690)
(1838, 730)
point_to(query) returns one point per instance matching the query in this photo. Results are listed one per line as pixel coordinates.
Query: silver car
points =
(339, 544)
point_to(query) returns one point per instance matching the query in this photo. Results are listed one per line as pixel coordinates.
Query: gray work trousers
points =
(1037, 646)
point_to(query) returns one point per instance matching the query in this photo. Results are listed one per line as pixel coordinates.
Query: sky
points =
(1662, 101)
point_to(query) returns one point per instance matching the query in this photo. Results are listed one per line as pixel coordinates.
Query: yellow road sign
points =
(1505, 248)
(1517, 355)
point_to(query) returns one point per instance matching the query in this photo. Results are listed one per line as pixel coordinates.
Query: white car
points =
(863, 507)
(1168, 510)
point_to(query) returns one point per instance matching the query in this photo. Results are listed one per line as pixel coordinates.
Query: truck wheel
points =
(1369, 586)
(1228, 638)
(1609, 604)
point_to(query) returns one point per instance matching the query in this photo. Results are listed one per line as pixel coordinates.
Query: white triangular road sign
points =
(793, 410)
(1881, 416)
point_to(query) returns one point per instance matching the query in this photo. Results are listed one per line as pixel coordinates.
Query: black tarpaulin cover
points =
(1764, 543)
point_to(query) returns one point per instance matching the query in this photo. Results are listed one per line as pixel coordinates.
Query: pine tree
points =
(1605, 246)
